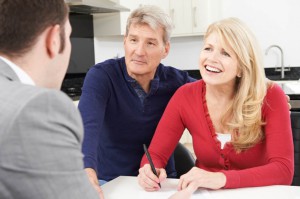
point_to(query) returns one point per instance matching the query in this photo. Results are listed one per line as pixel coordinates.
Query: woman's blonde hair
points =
(246, 122)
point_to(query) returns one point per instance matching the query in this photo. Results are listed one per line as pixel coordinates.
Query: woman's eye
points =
(207, 49)
(226, 54)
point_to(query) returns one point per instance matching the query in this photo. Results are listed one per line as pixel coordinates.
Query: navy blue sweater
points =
(117, 123)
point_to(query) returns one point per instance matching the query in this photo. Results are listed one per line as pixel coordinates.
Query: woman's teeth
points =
(212, 69)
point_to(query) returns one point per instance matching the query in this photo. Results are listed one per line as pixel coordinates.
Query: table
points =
(125, 187)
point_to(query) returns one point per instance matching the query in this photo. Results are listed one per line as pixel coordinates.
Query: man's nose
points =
(140, 49)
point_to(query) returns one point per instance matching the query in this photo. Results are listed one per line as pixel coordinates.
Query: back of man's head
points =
(22, 21)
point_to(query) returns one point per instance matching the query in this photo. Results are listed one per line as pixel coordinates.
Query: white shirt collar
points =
(22, 75)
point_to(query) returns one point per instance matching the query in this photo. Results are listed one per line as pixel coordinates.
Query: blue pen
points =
(150, 161)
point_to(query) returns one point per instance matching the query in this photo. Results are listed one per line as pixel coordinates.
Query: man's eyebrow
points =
(152, 39)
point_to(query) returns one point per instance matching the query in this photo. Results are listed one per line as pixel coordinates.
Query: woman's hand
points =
(148, 180)
(196, 178)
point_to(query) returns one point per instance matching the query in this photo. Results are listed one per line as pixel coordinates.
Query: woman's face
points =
(218, 63)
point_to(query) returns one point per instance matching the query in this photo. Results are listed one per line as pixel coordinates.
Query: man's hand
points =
(91, 173)
(288, 101)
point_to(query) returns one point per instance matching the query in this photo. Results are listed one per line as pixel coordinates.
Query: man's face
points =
(144, 50)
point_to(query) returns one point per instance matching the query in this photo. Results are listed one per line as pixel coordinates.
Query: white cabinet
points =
(113, 24)
(191, 17)
(181, 16)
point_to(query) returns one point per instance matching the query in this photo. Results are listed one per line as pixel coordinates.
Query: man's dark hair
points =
(22, 21)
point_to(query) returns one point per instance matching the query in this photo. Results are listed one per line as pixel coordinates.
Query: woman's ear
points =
(53, 40)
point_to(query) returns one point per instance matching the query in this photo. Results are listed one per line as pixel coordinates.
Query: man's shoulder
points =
(172, 74)
(18, 95)
(172, 69)
(27, 102)
(109, 65)
(111, 68)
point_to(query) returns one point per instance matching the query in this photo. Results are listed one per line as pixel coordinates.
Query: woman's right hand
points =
(148, 180)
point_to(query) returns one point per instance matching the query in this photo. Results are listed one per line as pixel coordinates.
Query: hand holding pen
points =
(150, 161)
(149, 178)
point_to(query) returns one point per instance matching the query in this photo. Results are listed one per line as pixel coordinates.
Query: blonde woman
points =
(239, 124)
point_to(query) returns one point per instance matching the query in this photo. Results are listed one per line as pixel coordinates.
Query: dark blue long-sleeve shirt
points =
(117, 121)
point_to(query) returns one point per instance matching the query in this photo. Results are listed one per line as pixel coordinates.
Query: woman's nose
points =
(214, 55)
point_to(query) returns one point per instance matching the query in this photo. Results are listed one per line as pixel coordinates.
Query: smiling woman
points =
(232, 101)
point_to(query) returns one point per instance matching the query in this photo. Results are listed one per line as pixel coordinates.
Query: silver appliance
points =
(94, 6)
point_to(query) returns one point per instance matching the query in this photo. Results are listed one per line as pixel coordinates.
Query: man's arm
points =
(92, 175)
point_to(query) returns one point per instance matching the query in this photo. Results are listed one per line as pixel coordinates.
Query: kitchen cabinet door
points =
(200, 16)
(113, 24)
(180, 12)
(191, 17)
(164, 4)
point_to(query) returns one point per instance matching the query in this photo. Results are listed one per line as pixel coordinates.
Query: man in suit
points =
(40, 129)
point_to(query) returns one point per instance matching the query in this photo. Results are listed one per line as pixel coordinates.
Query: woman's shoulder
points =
(275, 97)
(274, 90)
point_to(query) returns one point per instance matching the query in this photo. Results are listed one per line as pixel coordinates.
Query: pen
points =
(150, 161)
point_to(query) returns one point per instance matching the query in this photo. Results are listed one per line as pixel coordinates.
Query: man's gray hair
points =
(154, 17)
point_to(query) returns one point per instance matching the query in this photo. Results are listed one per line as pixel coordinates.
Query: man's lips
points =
(139, 61)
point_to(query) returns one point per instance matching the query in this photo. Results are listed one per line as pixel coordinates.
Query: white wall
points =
(272, 21)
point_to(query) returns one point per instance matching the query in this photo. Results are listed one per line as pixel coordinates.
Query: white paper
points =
(168, 188)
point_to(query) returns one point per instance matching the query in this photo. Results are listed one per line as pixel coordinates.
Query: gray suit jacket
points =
(40, 143)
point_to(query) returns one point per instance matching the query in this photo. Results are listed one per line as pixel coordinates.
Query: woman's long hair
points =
(246, 122)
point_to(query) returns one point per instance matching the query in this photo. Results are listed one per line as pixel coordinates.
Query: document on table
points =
(168, 188)
(127, 187)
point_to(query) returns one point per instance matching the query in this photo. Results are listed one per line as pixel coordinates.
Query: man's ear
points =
(166, 50)
(124, 39)
(53, 40)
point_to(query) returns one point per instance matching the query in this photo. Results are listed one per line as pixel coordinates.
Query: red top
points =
(270, 162)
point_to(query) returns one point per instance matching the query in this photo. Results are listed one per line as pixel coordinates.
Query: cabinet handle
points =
(194, 16)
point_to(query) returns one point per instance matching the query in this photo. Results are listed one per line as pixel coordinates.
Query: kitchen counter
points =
(292, 89)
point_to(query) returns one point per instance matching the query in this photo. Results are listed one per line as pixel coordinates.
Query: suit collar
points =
(7, 72)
